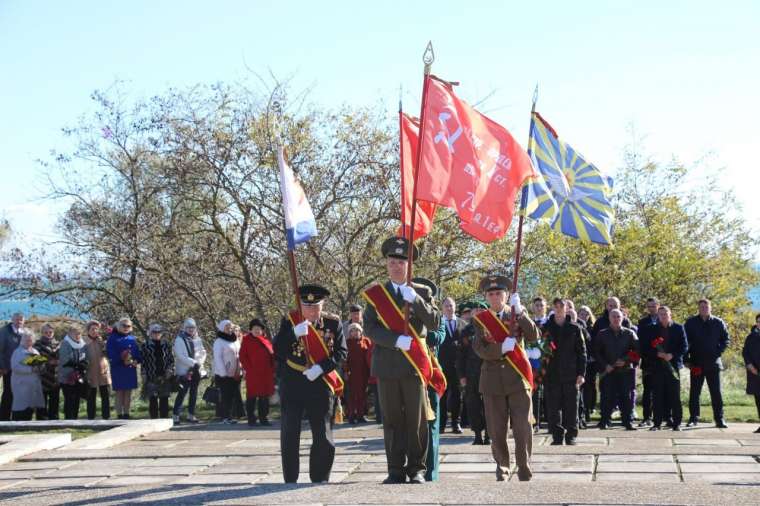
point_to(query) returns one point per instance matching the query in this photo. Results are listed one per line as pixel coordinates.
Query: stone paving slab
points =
(125, 432)
(163, 471)
(24, 474)
(586, 466)
(86, 471)
(366, 477)
(243, 467)
(582, 441)
(639, 477)
(707, 442)
(46, 464)
(722, 478)
(561, 457)
(132, 481)
(14, 447)
(723, 467)
(470, 467)
(469, 476)
(636, 467)
(556, 477)
(221, 479)
(716, 458)
(62, 483)
(61, 424)
(277, 479)
(183, 461)
(454, 457)
(635, 458)
(240, 468)
(10, 483)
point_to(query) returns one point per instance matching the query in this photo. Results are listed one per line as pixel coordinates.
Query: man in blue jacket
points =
(664, 347)
(708, 339)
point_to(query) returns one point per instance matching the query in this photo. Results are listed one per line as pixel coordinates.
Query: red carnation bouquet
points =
(547, 347)
(630, 358)
(659, 345)
(696, 371)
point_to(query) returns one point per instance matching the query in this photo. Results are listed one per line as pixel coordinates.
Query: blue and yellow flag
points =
(569, 192)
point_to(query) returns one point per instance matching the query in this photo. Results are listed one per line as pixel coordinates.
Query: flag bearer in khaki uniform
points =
(505, 376)
(397, 360)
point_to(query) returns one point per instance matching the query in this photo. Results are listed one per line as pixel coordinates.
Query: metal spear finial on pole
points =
(428, 57)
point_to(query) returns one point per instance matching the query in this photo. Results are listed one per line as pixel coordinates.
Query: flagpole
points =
(291, 252)
(428, 57)
(401, 157)
(294, 279)
(523, 198)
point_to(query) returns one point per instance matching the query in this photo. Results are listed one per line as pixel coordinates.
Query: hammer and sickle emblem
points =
(444, 135)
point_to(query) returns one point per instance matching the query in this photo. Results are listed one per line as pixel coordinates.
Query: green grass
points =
(737, 405)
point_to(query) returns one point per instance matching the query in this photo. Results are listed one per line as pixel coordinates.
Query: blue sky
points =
(686, 74)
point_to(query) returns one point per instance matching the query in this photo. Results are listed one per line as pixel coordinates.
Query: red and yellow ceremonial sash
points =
(391, 316)
(316, 351)
(517, 357)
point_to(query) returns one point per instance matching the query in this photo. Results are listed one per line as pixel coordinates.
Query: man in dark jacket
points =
(603, 321)
(664, 347)
(451, 402)
(600, 324)
(751, 355)
(565, 373)
(617, 349)
(708, 339)
(646, 325)
(10, 337)
(468, 365)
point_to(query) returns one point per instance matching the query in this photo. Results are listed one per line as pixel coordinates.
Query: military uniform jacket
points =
(468, 362)
(289, 350)
(497, 376)
(388, 362)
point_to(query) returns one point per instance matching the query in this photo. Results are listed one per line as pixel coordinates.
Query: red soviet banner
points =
(408, 138)
(469, 163)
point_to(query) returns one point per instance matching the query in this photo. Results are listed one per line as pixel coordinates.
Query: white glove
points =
(508, 345)
(534, 353)
(514, 301)
(313, 372)
(408, 293)
(404, 343)
(301, 329)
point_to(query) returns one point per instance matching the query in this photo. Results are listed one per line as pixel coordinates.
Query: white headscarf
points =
(220, 326)
(74, 344)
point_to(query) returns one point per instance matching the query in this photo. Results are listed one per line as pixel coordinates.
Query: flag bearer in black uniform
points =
(303, 388)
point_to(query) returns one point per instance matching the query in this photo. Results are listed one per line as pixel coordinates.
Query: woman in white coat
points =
(25, 380)
(227, 371)
(189, 358)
